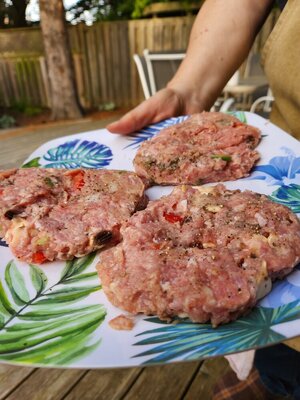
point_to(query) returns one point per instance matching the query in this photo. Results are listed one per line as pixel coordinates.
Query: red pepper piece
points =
(38, 257)
(156, 246)
(77, 179)
(171, 217)
(235, 124)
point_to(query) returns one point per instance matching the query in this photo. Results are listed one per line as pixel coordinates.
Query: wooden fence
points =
(102, 54)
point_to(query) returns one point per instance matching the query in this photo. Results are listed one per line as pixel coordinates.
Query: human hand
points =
(164, 104)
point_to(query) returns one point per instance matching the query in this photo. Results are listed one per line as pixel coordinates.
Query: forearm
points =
(220, 40)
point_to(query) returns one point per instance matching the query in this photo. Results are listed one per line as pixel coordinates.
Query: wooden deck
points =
(189, 381)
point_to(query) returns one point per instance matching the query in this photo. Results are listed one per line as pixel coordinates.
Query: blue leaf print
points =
(149, 131)
(288, 195)
(78, 154)
(185, 340)
(278, 169)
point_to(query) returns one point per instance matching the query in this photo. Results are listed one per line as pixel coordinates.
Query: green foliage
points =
(19, 106)
(139, 6)
(48, 328)
(107, 106)
(31, 111)
(7, 121)
(24, 108)
(108, 10)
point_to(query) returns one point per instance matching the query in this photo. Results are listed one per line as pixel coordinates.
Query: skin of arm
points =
(221, 38)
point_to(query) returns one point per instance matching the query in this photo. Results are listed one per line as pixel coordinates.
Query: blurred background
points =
(102, 38)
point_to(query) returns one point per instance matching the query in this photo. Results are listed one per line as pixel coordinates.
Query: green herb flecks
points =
(199, 182)
(223, 157)
(49, 182)
(149, 163)
(174, 163)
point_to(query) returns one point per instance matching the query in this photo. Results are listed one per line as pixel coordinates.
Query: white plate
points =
(57, 315)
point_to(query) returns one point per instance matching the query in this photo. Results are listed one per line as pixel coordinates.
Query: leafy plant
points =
(139, 6)
(31, 111)
(107, 106)
(191, 341)
(7, 121)
(19, 106)
(112, 9)
(47, 328)
(23, 107)
(100, 11)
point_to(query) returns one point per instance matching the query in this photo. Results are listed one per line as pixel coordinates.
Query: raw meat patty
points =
(48, 214)
(206, 253)
(207, 147)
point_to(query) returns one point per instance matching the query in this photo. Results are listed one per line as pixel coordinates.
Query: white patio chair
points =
(251, 84)
(156, 69)
(267, 103)
(161, 67)
(140, 63)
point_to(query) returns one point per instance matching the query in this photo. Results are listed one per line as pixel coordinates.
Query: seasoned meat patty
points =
(207, 147)
(48, 214)
(206, 253)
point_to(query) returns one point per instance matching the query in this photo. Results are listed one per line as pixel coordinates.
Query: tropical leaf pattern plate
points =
(57, 314)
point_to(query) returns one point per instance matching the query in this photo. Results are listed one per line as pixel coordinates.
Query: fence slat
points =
(3, 83)
(79, 78)
(45, 78)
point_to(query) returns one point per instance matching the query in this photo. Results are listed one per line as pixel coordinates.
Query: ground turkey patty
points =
(207, 147)
(48, 214)
(203, 253)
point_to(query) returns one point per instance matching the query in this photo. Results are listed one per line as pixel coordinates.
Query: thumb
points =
(164, 104)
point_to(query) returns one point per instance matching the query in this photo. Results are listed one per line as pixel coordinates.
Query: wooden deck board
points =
(208, 375)
(163, 382)
(47, 384)
(110, 384)
(11, 377)
(17, 145)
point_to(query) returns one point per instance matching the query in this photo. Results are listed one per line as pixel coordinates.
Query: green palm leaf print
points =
(48, 328)
(190, 341)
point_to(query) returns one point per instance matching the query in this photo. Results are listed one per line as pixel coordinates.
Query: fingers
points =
(164, 104)
(134, 119)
